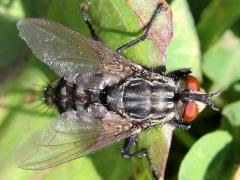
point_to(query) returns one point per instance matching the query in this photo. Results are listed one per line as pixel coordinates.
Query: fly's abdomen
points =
(142, 99)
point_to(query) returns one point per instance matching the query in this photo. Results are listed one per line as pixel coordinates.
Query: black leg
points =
(126, 152)
(159, 69)
(180, 124)
(84, 11)
(127, 146)
(144, 36)
(179, 73)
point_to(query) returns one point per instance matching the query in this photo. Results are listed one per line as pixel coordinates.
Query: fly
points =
(101, 96)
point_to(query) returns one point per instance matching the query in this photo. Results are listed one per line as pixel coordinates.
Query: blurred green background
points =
(206, 38)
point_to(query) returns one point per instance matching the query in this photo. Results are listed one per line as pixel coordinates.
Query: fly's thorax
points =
(140, 98)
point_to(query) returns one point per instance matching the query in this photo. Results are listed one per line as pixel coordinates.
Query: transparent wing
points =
(72, 55)
(72, 135)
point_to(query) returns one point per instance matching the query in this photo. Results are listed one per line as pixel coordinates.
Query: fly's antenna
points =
(210, 103)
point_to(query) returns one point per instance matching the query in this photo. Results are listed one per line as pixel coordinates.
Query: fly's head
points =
(191, 99)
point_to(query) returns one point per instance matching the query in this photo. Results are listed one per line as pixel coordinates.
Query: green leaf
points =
(232, 113)
(160, 33)
(82, 168)
(184, 50)
(216, 19)
(207, 158)
(158, 142)
(126, 23)
(221, 62)
(11, 47)
(111, 160)
(230, 123)
(35, 8)
(71, 18)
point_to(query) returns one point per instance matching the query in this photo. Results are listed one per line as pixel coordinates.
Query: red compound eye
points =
(192, 83)
(190, 111)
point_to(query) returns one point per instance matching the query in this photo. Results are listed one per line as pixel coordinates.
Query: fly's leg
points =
(180, 124)
(159, 69)
(179, 73)
(127, 146)
(144, 36)
(84, 11)
(126, 152)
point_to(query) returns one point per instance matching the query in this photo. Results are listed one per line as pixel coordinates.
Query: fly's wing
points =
(73, 56)
(72, 135)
